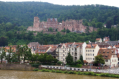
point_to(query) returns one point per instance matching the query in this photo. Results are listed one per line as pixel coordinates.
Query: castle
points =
(72, 25)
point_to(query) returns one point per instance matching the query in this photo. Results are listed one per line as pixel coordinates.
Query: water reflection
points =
(10, 74)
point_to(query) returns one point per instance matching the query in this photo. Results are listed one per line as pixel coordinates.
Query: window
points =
(93, 54)
(106, 60)
(107, 52)
(72, 48)
(72, 53)
(86, 50)
(103, 52)
(93, 50)
(93, 58)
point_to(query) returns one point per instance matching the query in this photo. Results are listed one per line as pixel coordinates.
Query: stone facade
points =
(72, 25)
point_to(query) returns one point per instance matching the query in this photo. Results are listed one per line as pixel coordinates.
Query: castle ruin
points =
(72, 25)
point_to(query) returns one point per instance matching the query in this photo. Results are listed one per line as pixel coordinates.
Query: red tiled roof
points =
(85, 61)
(91, 45)
(107, 53)
(97, 39)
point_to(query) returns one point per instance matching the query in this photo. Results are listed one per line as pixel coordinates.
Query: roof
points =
(13, 48)
(112, 43)
(106, 53)
(97, 39)
(91, 45)
(102, 43)
(44, 48)
(118, 55)
(31, 44)
(117, 46)
(85, 61)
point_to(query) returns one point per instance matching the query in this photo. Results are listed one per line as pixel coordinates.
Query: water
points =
(10, 74)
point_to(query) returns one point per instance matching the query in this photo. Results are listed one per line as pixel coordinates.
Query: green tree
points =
(69, 59)
(81, 58)
(50, 29)
(2, 53)
(99, 59)
(10, 54)
(49, 58)
(26, 53)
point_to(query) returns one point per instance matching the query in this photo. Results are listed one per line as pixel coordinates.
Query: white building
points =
(91, 51)
(110, 57)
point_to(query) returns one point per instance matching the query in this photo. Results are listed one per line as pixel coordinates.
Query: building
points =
(110, 57)
(75, 49)
(103, 44)
(33, 46)
(49, 49)
(91, 51)
(62, 52)
(72, 25)
(98, 40)
(105, 39)
(113, 43)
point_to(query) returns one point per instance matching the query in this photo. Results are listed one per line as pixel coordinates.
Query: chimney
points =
(91, 45)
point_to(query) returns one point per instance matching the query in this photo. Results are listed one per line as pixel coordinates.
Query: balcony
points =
(75, 54)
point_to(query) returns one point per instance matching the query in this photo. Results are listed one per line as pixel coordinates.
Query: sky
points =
(75, 2)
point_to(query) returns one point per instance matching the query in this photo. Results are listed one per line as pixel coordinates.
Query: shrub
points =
(59, 62)
(80, 73)
(53, 70)
(86, 73)
(79, 65)
(36, 69)
(105, 74)
(45, 70)
(58, 71)
(71, 72)
(65, 72)
(36, 65)
(91, 73)
(98, 74)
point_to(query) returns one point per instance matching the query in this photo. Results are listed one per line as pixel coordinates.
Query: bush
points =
(53, 70)
(36, 69)
(65, 72)
(86, 73)
(91, 73)
(58, 71)
(97, 74)
(36, 65)
(45, 70)
(105, 74)
(80, 73)
(71, 72)
(59, 62)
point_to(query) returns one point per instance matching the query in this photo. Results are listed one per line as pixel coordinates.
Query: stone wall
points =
(23, 67)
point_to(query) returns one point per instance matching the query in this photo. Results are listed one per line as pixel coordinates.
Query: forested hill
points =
(22, 13)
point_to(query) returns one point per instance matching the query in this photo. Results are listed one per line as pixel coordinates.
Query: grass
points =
(79, 73)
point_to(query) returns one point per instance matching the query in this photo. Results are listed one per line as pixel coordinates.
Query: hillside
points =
(22, 13)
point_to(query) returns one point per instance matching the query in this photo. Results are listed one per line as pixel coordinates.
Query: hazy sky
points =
(76, 2)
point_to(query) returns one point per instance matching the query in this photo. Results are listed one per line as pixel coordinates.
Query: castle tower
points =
(36, 23)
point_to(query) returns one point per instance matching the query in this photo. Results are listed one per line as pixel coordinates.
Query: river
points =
(11, 74)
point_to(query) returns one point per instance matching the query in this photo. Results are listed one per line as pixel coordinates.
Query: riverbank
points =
(79, 73)
(22, 67)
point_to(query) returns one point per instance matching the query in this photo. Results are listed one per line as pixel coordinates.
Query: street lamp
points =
(90, 66)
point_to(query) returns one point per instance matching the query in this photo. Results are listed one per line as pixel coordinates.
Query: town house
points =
(91, 51)
(109, 56)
